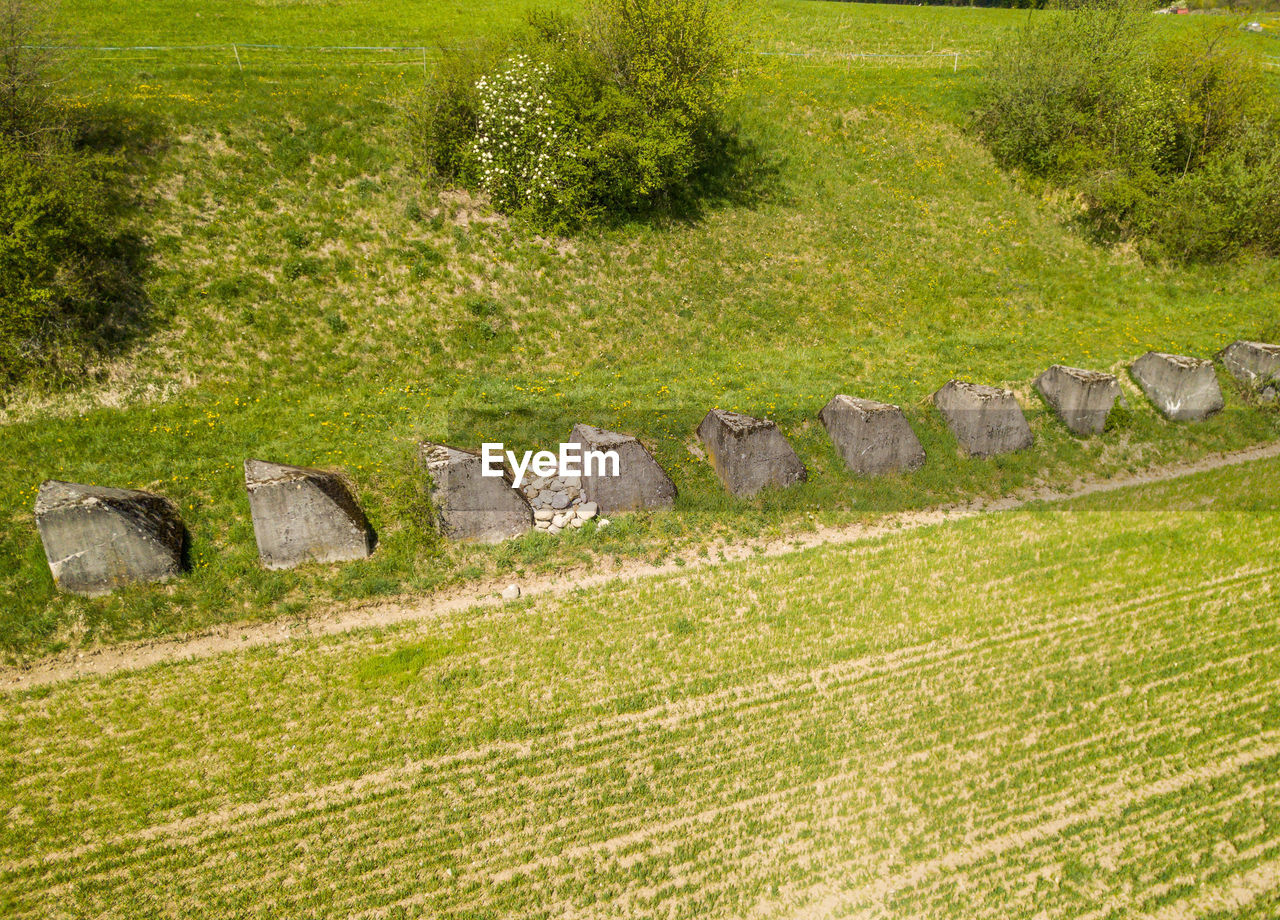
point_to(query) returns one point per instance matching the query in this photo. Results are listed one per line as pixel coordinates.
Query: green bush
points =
(67, 265)
(1168, 143)
(442, 118)
(574, 121)
(65, 282)
(1229, 204)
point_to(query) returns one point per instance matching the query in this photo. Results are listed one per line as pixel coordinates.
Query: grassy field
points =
(314, 303)
(1045, 713)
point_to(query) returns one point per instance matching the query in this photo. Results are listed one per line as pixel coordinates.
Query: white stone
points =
(577, 522)
(511, 593)
(553, 529)
(543, 514)
(587, 511)
(602, 523)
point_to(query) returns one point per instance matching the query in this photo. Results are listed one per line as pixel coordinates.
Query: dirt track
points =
(130, 655)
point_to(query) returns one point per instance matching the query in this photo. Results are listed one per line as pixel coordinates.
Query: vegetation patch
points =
(571, 121)
(69, 264)
(1169, 141)
(407, 663)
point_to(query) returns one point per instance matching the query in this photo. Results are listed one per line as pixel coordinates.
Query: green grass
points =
(1040, 713)
(315, 303)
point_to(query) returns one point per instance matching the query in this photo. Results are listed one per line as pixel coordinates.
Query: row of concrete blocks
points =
(874, 438)
(98, 538)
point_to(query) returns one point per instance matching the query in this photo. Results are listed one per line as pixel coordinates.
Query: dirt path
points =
(131, 655)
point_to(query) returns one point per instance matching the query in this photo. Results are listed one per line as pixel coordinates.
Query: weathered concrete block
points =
(1182, 388)
(97, 539)
(470, 506)
(640, 483)
(304, 515)
(985, 420)
(872, 437)
(1081, 399)
(749, 453)
(1254, 364)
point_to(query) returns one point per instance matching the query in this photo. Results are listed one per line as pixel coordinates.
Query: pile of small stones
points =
(558, 502)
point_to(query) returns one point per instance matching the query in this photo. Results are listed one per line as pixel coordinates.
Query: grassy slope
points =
(1032, 714)
(311, 304)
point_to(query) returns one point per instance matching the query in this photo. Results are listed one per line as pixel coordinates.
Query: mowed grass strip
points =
(1044, 713)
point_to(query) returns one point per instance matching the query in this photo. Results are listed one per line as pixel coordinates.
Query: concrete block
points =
(1256, 365)
(97, 539)
(470, 506)
(1183, 389)
(872, 437)
(304, 515)
(749, 453)
(985, 420)
(1081, 399)
(641, 483)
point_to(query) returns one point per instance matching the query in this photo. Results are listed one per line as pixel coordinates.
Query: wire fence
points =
(941, 58)
(243, 56)
(273, 59)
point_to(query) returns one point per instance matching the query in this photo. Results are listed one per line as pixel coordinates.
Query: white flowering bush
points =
(573, 121)
(521, 145)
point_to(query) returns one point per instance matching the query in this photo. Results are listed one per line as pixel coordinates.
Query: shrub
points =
(673, 56)
(28, 110)
(520, 146)
(1053, 95)
(66, 284)
(442, 119)
(1230, 203)
(574, 121)
(67, 279)
(1170, 143)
